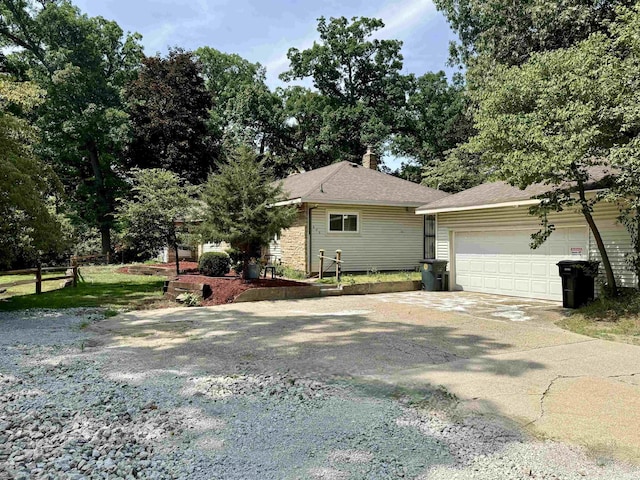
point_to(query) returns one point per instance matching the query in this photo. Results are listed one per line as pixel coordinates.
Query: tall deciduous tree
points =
(361, 78)
(157, 212)
(82, 63)
(562, 113)
(226, 76)
(509, 32)
(169, 108)
(28, 226)
(239, 205)
(305, 142)
(438, 120)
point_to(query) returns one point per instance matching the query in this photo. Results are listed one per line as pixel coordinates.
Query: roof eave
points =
(291, 201)
(425, 210)
(379, 203)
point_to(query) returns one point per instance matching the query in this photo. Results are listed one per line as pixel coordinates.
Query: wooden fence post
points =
(321, 263)
(39, 279)
(75, 277)
(338, 268)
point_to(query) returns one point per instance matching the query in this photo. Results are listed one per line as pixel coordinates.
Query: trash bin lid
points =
(574, 263)
(432, 261)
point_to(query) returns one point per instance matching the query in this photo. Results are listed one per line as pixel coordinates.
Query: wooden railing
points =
(337, 261)
(71, 273)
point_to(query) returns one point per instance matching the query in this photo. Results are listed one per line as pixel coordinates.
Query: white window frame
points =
(342, 232)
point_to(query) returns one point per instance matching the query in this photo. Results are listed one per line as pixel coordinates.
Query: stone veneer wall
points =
(293, 242)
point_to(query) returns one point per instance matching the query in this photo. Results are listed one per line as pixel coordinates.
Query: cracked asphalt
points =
(499, 355)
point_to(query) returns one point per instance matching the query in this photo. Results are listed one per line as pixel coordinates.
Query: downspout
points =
(309, 223)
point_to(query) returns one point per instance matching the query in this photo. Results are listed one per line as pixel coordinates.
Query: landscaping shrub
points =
(214, 264)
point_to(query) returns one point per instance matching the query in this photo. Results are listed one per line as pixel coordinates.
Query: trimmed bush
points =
(214, 264)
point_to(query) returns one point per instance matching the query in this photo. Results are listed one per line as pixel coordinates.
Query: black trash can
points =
(578, 286)
(434, 275)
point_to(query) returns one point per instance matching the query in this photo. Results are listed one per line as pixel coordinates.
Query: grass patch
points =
(99, 286)
(290, 273)
(30, 287)
(609, 319)
(373, 277)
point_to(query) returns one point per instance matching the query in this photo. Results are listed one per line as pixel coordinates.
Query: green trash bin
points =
(434, 275)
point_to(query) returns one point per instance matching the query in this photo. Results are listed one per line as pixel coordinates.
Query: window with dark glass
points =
(343, 222)
(430, 236)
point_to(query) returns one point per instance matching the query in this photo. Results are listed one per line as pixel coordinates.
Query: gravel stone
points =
(65, 412)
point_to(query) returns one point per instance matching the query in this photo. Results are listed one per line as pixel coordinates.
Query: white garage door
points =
(501, 262)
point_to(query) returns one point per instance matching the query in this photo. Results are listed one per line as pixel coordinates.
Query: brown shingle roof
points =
(495, 193)
(352, 183)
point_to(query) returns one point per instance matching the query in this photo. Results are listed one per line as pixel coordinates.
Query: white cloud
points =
(157, 40)
(403, 17)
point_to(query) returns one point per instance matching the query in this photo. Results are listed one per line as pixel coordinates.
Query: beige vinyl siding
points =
(214, 247)
(615, 237)
(388, 238)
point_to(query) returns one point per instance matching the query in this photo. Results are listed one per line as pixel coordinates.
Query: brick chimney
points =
(370, 159)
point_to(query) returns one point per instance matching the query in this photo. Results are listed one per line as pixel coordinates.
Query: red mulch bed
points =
(185, 267)
(226, 289)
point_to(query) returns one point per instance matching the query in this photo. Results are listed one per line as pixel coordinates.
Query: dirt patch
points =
(226, 289)
(185, 267)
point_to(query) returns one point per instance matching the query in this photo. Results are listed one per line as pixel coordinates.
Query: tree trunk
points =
(103, 202)
(176, 249)
(608, 270)
(636, 246)
(105, 237)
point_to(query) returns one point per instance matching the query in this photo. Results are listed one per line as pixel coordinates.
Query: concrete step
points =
(330, 291)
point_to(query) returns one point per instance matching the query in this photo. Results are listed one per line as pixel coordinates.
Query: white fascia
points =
(293, 201)
(518, 203)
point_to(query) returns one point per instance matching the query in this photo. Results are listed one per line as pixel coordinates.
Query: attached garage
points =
(485, 233)
(501, 262)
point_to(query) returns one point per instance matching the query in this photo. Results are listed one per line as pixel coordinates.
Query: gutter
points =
(293, 201)
(515, 203)
(519, 203)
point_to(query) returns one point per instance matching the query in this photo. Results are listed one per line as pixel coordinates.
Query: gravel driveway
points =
(130, 398)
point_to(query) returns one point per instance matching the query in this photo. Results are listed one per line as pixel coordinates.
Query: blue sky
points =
(263, 30)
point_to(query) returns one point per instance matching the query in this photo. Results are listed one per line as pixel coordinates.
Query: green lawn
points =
(610, 319)
(357, 278)
(98, 287)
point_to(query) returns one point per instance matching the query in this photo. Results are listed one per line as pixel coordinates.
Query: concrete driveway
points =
(497, 354)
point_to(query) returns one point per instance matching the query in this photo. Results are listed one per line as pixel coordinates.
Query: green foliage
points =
(438, 120)
(360, 78)
(239, 205)
(509, 32)
(81, 63)
(168, 106)
(189, 299)
(291, 273)
(245, 111)
(214, 264)
(27, 187)
(235, 259)
(616, 319)
(155, 214)
(562, 113)
(372, 276)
